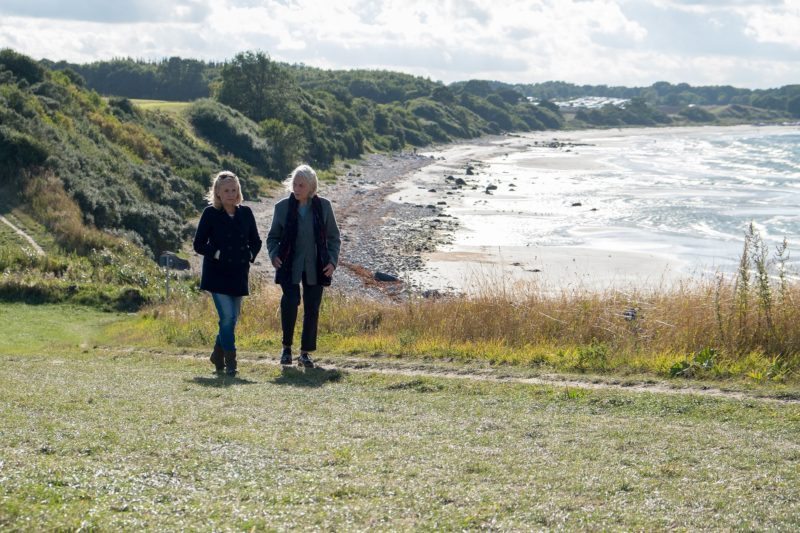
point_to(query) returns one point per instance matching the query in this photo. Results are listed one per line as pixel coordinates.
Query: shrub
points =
(230, 130)
(19, 150)
(131, 136)
(159, 226)
(697, 114)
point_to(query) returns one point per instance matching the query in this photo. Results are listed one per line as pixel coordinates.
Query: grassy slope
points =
(22, 220)
(117, 439)
(9, 238)
(49, 329)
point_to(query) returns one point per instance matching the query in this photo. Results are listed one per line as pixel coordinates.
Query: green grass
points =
(161, 105)
(10, 238)
(110, 438)
(32, 329)
(27, 224)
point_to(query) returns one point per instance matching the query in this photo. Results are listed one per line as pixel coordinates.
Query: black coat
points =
(238, 243)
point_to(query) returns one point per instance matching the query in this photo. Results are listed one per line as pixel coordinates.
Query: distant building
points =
(588, 102)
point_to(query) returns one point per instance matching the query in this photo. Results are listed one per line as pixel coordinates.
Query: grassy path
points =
(34, 245)
(497, 374)
(93, 437)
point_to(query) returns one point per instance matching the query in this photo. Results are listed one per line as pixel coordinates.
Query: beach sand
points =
(477, 270)
(487, 250)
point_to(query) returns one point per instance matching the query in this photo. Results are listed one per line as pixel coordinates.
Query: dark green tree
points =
(477, 88)
(444, 95)
(257, 86)
(23, 67)
(289, 145)
(793, 106)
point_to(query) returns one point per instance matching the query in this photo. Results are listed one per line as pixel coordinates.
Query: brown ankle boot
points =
(218, 357)
(230, 362)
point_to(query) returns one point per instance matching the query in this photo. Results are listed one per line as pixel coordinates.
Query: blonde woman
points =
(228, 240)
(303, 245)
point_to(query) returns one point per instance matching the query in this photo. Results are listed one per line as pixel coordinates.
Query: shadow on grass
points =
(307, 377)
(220, 381)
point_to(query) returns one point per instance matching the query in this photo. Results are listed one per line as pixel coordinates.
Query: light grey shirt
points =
(305, 249)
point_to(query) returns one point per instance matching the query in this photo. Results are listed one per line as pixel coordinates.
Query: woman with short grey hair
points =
(303, 244)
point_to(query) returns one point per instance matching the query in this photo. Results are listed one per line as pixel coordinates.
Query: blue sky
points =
(613, 42)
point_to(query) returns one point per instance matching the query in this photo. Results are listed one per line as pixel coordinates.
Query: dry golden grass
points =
(694, 329)
(53, 207)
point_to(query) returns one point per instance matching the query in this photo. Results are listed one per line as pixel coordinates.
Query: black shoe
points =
(286, 355)
(218, 358)
(230, 362)
(305, 361)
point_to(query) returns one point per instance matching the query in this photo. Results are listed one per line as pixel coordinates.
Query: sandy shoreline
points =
(461, 266)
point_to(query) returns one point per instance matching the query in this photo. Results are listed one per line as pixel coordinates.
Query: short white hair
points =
(304, 172)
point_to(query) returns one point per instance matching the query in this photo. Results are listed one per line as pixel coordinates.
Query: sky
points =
(742, 43)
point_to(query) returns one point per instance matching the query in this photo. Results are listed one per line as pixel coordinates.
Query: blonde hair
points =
(213, 192)
(304, 172)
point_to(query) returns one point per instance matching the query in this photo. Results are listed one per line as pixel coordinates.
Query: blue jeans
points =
(228, 309)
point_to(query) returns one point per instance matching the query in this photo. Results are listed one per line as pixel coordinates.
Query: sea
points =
(687, 195)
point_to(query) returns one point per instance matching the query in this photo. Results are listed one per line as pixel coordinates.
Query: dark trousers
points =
(290, 301)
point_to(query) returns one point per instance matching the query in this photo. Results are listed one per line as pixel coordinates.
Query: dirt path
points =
(423, 369)
(554, 380)
(38, 249)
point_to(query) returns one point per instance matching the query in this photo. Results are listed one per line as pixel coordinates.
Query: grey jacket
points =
(305, 250)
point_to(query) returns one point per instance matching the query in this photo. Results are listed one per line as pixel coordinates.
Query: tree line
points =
(174, 78)
(181, 79)
(393, 109)
(664, 94)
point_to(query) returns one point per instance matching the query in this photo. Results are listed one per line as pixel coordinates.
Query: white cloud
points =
(118, 11)
(779, 24)
(616, 42)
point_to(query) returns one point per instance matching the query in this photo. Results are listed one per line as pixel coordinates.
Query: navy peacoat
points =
(237, 241)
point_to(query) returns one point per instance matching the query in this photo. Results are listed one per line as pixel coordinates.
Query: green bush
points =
(19, 150)
(111, 298)
(159, 226)
(697, 114)
(231, 131)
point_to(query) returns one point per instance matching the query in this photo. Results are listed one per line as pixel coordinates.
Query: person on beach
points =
(228, 240)
(303, 244)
